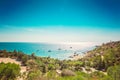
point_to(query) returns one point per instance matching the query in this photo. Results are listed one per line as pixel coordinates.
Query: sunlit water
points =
(59, 51)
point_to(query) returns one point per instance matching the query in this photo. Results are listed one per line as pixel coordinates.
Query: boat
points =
(59, 48)
(70, 47)
(49, 51)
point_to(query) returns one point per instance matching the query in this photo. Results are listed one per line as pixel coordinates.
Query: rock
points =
(67, 73)
(59, 71)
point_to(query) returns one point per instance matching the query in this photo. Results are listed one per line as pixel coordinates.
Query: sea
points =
(53, 50)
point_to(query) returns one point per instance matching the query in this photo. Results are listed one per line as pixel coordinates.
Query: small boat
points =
(70, 47)
(59, 48)
(49, 51)
(37, 50)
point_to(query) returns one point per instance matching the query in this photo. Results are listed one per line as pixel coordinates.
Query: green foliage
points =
(32, 64)
(97, 74)
(34, 75)
(51, 67)
(9, 71)
(19, 56)
(51, 75)
(114, 72)
(79, 76)
(33, 56)
(98, 63)
(105, 56)
(24, 60)
(107, 78)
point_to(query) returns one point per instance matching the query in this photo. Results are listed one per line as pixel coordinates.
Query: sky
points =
(59, 20)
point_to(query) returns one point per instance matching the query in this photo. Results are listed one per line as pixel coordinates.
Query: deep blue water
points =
(60, 51)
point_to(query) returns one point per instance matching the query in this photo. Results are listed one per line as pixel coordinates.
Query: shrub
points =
(114, 72)
(9, 71)
(24, 59)
(34, 75)
(97, 74)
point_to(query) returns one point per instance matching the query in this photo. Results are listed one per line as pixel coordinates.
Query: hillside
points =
(104, 56)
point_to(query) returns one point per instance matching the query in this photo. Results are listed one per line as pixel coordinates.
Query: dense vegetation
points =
(102, 57)
(102, 63)
(9, 71)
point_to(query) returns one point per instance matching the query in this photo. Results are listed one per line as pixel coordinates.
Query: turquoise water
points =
(59, 51)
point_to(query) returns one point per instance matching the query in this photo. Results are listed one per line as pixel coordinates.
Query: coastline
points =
(57, 51)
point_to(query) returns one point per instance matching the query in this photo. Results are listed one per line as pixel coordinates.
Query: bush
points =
(114, 72)
(97, 74)
(24, 59)
(34, 75)
(9, 71)
(51, 75)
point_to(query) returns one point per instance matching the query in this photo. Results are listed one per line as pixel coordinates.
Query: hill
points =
(104, 56)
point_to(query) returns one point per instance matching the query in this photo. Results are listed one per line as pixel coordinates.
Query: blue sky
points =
(59, 20)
